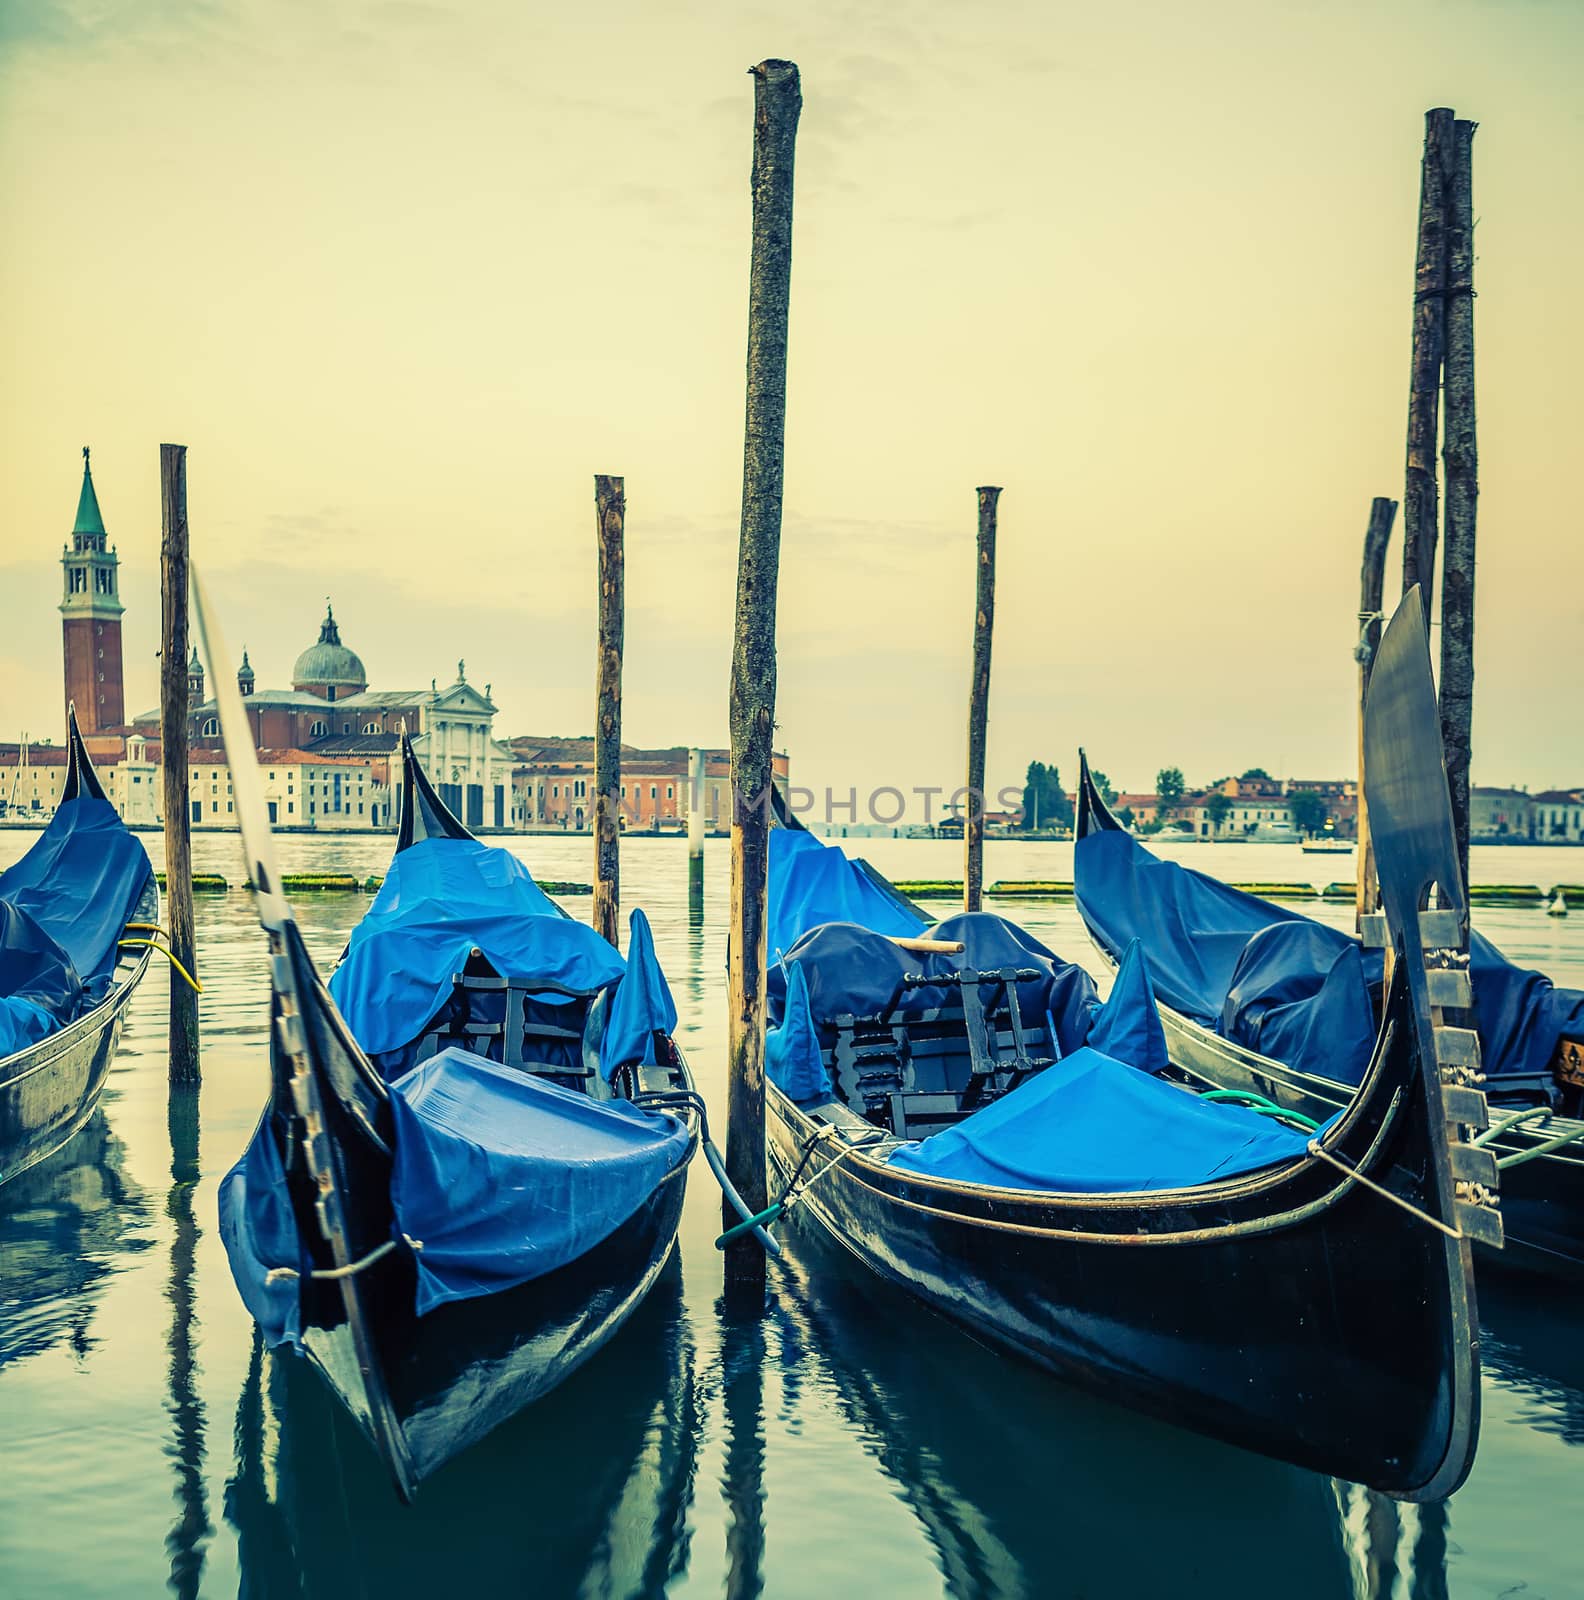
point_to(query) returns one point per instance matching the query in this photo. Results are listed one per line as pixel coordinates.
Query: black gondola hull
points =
(452, 1376)
(1277, 1342)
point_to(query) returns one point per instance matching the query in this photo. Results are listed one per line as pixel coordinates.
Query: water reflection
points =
(1025, 1487)
(742, 1371)
(588, 1492)
(190, 1534)
(1530, 1344)
(64, 1224)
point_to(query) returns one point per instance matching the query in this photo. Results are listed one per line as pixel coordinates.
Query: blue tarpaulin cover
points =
(1128, 1026)
(505, 1177)
(1283, 984)
(66, 904)
(642, 1005)
(812, 883)
(441, 898)
(1093, 1125)
(501, 1176)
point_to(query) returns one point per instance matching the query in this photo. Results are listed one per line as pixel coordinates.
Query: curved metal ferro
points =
(424, 815)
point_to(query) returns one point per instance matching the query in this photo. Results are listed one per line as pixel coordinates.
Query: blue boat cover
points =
(853, 970)
(63, 908)
(1091, 1124)
(442, 898)
(1128, 1026)
(642, 1005)
(1284, 984)
(505, 1177)
(792, 1049)
(812, 883)
(502, 1178)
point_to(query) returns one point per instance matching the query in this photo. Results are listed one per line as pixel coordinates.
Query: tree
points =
(1045, 802)
(1169, 786)
(1103, 784)
(1125, 816)
(1217, 809)
(1309, 812)
(1255, 772)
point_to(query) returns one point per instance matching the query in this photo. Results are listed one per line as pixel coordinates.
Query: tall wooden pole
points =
(1420, 506)
(173, 752)
(777, 102)
(1372, 584)
(610, 506)
(1460, 456)
(979, 701)
(695, 831)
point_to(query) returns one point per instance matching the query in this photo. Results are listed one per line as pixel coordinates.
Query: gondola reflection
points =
(587, 1492)
(65, 1227)
(742, 1374)
(1027, 1488)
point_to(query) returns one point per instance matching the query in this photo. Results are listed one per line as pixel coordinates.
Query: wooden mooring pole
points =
(1372, 586)
(1460, 457)
(695, 831)
(173, 756)
(1420, 496)
(979, 700)
(610, 505)
(777, 103)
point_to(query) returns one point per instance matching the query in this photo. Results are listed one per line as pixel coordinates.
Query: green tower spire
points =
(88, 518)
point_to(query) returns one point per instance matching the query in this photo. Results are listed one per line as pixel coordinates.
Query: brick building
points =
(91, 618)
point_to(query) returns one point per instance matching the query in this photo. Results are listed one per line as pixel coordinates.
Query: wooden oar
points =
(929, 947)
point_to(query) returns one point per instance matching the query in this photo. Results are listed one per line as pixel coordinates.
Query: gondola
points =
(76, 913)
(471, 1165)
(1259, 998)
(984, 1136)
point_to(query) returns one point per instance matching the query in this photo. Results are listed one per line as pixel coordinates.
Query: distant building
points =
(31, 779)
(553, 784)
(1557, 816)
(1499, 814)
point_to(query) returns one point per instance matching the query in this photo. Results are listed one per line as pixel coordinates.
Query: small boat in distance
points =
(471, 1165)
(952, 1105)
(77, 915)
(1325, 844)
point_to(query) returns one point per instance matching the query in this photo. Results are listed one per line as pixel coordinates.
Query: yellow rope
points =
(154, 944)
(147, 927)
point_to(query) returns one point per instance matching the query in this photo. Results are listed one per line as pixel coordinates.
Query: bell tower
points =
(91, 617)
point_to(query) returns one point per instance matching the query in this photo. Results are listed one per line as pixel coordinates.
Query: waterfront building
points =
(553, 784)
(1557, 816)
(32, 775)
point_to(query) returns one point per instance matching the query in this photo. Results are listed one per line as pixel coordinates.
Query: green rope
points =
(1266, 1108)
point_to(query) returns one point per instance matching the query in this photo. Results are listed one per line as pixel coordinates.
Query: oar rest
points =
(920, 1067)
(530, 1026)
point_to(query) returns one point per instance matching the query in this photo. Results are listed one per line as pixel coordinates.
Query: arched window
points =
(318, 730)
(371, 727)
(211, 727)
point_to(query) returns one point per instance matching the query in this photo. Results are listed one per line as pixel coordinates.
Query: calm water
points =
(847, 1443)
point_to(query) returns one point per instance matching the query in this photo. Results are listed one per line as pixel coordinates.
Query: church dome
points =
(329, 664)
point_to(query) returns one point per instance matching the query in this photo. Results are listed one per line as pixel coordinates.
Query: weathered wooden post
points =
(979, 701)
(1420, 508)
(777, 102)
(695, 830)
(610, 505)
(1460, 456)
(173, 755)
(1372, 583)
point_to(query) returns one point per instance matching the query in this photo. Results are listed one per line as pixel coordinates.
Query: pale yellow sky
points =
(405, 276)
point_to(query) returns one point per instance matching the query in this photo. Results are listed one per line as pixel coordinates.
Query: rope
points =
(1266, 1108)
(154, 944)
(792, 1192)
(1317, 1149)
(1516, 1119)
(352, 1268)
